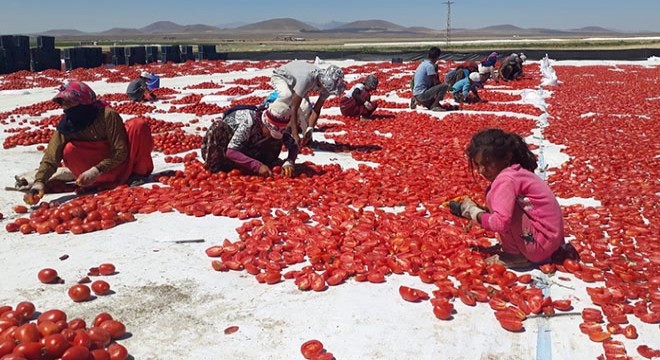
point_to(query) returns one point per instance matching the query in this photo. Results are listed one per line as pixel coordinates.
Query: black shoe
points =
(413, 103)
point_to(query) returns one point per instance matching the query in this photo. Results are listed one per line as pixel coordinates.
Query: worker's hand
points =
(368, 105)
(35, 193)
(264, 171)
(455, 208)
(88, 177)
(307, 137)
(470, 210)
(287, 169)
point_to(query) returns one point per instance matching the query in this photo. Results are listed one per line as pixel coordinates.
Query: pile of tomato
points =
(28, 334)
(334, 221)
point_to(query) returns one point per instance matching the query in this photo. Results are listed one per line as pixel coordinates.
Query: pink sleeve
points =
(243, 161)
(501, 201)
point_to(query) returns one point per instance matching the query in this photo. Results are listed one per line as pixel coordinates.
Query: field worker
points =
(521, 208)
(250, 138)
(427, 88)
(357, 101)
(461, 71)
(490, 60)
(93, 142)
(294, 81)
(465, 90)
(511, 68)
(138, 87)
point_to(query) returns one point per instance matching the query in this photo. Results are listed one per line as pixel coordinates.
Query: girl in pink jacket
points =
(521, 208)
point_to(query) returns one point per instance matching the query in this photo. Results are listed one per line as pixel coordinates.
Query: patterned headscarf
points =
(276, 118)
(76, 91)
(332, 79)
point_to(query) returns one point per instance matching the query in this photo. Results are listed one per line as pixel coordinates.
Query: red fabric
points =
(349, 107)
(79, 156)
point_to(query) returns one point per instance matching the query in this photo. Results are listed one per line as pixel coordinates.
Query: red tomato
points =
(27, 333)
(6, 347)
(311, 348)
(442, 312)
(648, 352)
(599, 336)
(54, 315)
(101, 287)
(99, 336)
(115, 328)
(117, 352)
(48, 328)
(20, 209)
(31, 350)
(76, 352)
(101, 318)
(77, 323)
(630, 332)
(47, 276)
(99, 354)
(55, 345)
(512, 325)
(231, 330)
(590, 314)
(25, 309)
(571, 265)
(106, 269)
(79, 292)
(562, 305)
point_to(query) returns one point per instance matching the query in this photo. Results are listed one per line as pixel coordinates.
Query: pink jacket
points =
(526, 214)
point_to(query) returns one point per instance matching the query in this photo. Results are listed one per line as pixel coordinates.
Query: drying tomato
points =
(53, 315)
(231, 330)
(648, 352)
(590, 314)
(562, 305)
(101, 287)
(76, 352)
(101, 318)
(512, 325)
(25, 309)
(117, 352)
(106, 269)
(79, 292)
(311, 348)
(411, 294)
(630, 332)
(55, 345)
(47, 276)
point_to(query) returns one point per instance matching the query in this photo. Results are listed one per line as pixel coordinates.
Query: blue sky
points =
(25, 16)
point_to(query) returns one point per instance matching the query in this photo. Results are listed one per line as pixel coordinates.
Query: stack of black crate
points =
(153, 54)
(170, 53)
(136, 55)
(83, 57)
(187, 53)
(14, 53)
(118, 55)
(207, 52)
(45, 55)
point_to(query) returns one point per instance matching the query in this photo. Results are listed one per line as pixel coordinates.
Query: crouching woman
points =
(250, 138)
(94, 143)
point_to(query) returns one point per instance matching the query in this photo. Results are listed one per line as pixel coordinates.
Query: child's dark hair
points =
(496, 144)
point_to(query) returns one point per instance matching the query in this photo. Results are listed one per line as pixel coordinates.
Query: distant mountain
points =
(282, 25)
(231, 25)
(359, 28)
(327, 26)
(592, 29)
(120, 31)
(63, 32)
(162, 27)
(370, 25)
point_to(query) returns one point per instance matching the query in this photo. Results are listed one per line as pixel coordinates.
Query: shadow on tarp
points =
(624, 54)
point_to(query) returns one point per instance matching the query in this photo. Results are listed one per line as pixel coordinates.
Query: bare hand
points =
(264, 171)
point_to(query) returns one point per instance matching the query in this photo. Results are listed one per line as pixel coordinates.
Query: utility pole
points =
(448, 33)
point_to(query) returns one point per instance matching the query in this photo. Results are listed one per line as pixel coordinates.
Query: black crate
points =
(153, 54)
(93, 57)
(42, 59)
(207, 52)
(187, 53)
(118, 55)
(170, 53)
(3, 62)
(15, 41)
(74, 58)
(46, 42)
(136, 55)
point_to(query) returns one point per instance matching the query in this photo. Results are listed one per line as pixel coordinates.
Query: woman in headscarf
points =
(250, 138)
(294, 81)
(94, 143)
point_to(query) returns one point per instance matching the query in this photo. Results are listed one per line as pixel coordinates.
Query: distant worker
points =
(357, 101)
(512, 67)
(294, 81)
(138, 87)
(487, 67)
(465, 90)
(427, 88)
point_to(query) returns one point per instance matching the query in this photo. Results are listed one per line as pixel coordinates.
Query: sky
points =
(31, 16)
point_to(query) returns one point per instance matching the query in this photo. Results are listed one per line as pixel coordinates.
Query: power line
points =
(448, 31)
